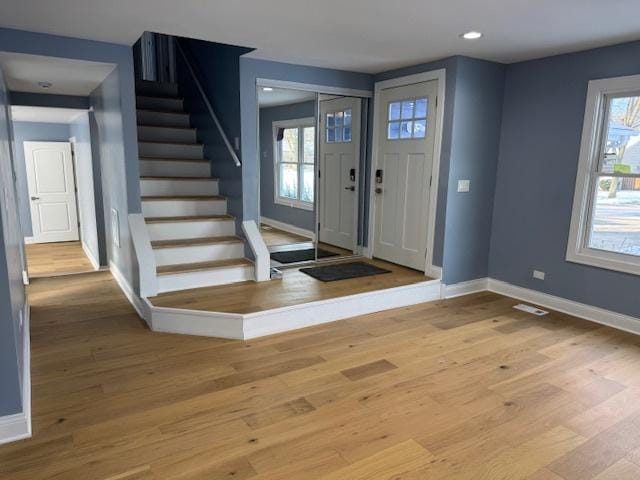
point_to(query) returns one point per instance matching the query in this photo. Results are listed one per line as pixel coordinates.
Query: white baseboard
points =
(25, 277)
(138, 304)
(29, 240)
(18, 426)
(288, 228)
(94, 261)
(616, 320)
(464, 288)
(434, 272)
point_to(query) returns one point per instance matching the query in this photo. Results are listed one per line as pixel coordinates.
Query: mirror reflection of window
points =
(295, 163)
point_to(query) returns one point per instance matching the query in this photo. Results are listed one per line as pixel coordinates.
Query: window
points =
(605, 225)
(338, 126)
(407, 119)
(294, 145)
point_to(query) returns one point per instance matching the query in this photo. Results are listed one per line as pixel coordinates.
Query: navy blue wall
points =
(32, 132)
(12, 293)
(217, 68)
(268, 208)
(544, 107)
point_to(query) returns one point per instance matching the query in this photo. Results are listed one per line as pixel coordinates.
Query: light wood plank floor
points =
(461, 389)
(274, 236)
(50, 259)
(294, 288)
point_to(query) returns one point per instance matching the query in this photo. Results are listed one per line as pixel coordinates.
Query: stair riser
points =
(156, 168)
(179, 187)
(198, 253)
(183, 208)
(200, 229)
(159, 103)
(205, 278)
(166, 134)
(156, 89)
(170, 150)
(163, 119)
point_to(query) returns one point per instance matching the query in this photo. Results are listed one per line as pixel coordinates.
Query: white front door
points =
(340, 121)
(406, 132)
(51, 191)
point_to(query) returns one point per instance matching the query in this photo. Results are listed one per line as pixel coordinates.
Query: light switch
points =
(464, 185)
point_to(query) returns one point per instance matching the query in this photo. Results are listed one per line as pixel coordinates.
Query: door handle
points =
(352, 188)
(35, 198)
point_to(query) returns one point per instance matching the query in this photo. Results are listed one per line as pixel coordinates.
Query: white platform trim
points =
(138, 303)
(278, 320)
(18, 426)
(464, 288)
(286, 227)
(615, 320)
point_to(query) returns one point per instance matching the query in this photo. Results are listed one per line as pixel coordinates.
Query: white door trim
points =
(440, 77)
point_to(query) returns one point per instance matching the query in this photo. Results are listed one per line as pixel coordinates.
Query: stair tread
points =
(200, 266)
(195, 218)
(173, 159)
(186, 242)
(166, 127)
(163, 97)
(160, 142)
(165, 177)
(153, 198)
(158, 110)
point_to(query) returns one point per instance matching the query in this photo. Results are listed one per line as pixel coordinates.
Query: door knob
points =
(378, 190)
(35, 198)
(352, 188)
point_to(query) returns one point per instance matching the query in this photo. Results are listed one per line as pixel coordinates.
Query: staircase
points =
(194, 240)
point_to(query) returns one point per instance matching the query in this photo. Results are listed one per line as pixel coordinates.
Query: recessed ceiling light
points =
(267, 89)
(45, 84)
(472, 35)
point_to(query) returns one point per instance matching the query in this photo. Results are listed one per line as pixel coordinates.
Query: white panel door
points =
(339, 152)
(51, 191)
(406, 124)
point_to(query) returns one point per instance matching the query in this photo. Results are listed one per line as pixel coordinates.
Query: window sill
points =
(617, 262)
(294, 204)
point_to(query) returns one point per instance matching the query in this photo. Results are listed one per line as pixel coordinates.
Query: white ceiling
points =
(360, 35)
(21, 113)
(281, 96)
(67, 77)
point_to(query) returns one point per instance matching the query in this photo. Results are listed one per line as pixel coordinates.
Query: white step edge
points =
(177, 186)
(191, 229)
(183, 208)
(204, 278)
(198, 253)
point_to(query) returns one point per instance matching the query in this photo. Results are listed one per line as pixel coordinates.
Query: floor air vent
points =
(530, 309)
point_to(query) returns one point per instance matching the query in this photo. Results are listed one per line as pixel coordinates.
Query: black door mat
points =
(343, 271)
(305, 255)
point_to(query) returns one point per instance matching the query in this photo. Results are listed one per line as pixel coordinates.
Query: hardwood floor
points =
(461, 389)
(274, 236)
(294, 288)
(50, 259)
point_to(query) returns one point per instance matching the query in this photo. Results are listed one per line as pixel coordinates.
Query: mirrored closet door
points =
(310, 166)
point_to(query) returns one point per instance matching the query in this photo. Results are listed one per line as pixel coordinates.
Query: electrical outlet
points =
(464, 185)
(115, 228)
(538, 274)
(21, 315)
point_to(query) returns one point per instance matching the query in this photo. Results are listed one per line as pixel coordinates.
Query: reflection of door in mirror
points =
(339, 154)
(287, 131)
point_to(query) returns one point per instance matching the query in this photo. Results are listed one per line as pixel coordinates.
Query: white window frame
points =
(594, 127)
(295, 123)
